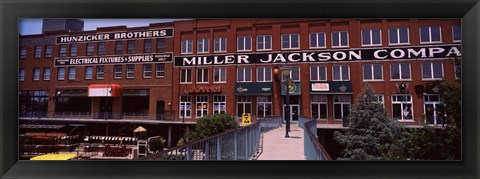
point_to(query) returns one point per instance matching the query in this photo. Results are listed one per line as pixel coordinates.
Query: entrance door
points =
(294, 112)
(106, 108)
(160, 110)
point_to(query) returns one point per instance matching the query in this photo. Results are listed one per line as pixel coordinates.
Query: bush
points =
(156, 144)
(211, 125)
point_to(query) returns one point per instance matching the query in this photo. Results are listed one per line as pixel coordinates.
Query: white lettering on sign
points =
(320, 87)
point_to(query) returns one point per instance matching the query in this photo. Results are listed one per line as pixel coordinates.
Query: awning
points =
(104, 90)
(54, 157)
(331, 87)
(258, 88)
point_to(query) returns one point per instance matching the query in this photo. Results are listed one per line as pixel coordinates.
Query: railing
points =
(72, 115)
(313, 150)
(238, 144)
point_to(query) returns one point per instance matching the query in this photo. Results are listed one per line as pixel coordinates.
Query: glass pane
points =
(335, 40)
(407, 111)
(393, 36)
(394, 70)
(345, 75)
(336, 72)
(429, 111)
(337, 111)
(436, 33)
(296, 73)
(240, 74)
(377, 70)
(437, 70)
(367, 72)
(268, 74)
(426, 70)
(376, 36)
(346, 109)
(268, 44)
(285, 41)
(321, 71)
(457, 35)
(315, 111)
(313, 73)
(248, 43)
(240, 44)
(323, 111)
(268, 110)
(248, 74)
(313, 40)
(344, 38)
(424, 34)
(403, 35)
(405, 71)
(397, 111)
(365, 37)
(295, 41)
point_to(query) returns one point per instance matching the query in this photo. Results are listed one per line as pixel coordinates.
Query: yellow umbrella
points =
(54, 157)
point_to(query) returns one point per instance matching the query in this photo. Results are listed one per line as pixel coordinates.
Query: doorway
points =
(160, 110)
(106, 104)
(294, 112)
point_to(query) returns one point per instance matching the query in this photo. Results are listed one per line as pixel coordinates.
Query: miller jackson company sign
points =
(390, 53)
(157, 33)
(115, 59)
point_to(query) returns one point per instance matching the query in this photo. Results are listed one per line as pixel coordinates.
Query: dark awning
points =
(257, 88)
(331, 87)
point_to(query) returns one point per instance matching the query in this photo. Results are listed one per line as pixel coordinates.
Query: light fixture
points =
(275, 70)
(436, 89)
(343, 88)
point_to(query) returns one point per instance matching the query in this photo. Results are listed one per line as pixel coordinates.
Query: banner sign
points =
(118, 59)
(115, 36)
(390, 53)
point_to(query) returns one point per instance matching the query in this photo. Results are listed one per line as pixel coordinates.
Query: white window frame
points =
(187, 104)
(244, 72)
(372, 71)
(294, 69)
(323, 101)
(89, 72)
(117, 74)
(435, 104)
(431, 71)
(61, 73)
(262, 42)
(316, 36)
(289, 40)
(160, 70)
(342, 103)
(46, 73)
(453, 34)
(185, 71)
(38, 51)
(244, 48)
(220, 44)
(430, 34)
(100, 74)
(72, 73)
(243, 100)
(398, 36)
(318, 73)
(400, 72)
(147, 73)
(186, 46)
(402, 103)
(222, 72)
(340, 45)
(203, 111)
(21, 74)
(130, 71)
(222, 104)
(370, 31)
(377, 97)
(203, 45)
(263, 101)
(264, 74)
(341, 75)
(36, 74)
(200, 75)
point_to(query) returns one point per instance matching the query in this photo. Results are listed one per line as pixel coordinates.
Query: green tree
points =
(211, 125)
(156, 144)
(371, 134)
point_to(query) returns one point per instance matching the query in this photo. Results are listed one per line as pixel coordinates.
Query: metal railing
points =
(313, 150)
(238, 144)
(72, 115)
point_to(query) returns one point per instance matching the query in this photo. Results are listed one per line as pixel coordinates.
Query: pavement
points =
(276, 147)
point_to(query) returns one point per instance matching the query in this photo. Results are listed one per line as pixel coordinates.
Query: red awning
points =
(104, 90)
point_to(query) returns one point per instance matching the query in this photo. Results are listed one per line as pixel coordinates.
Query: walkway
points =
(276, 147)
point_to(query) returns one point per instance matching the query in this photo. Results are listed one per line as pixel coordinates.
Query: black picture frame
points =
(11, 11)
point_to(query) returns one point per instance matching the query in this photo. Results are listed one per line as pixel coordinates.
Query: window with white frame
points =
(318, 73)
(372, 72)
(244, 43)
(319, 106)
(72, 73)
(23, 52)
(219, 74)
(397, 36)
(341, 73)
(117, 72)
(400, 71)
(63, 50)
(61, 73)
(131, 46)
(130, 71)
(90, 48)
(220, 44)
(88, 72)
(73, 50)
(379, 98)
(290, 41)
(340, 39)
(430, 34)
(186, 46)
(46, 73)
(294, 74)
(185, 106)
(371, 37)
(202, 75)
(264, 42)
(219, 104)
(244, 74)
(36, 74)
(100, 72)
(203, 45)
(147, 46)
(119, 47)
(341, 106)
(433, 109)
(264, 106)
(21, 74)
(201, 105)
(160, 70)
(186, 76)
(244, 105)
(161, 45)
(402, 107)
(48, 51)
(101, 48)
(317, 40)
(432, 70)
(147, 70)
(264, 74)
(457, 33)
(38, 51)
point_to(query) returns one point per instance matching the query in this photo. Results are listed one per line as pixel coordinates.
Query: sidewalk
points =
(277, 147)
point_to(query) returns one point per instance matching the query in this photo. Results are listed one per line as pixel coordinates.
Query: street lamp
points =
(286, 73)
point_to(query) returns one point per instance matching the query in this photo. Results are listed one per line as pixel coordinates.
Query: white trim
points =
(431, 72)
(186, 46)
(371, 38)
(318, 74)
(244, 44)
(244, 76)
(220, 44)
(400, 72)
(264, 74)
(398, 36)
(316, 36)
(430, 34)
(401, 105)
(340, 39)
(341, 76)
(263, 40)
(289, 42)
(372, 72)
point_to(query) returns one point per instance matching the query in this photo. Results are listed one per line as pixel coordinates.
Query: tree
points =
(371, 134)
(211, 125)
(156, 144)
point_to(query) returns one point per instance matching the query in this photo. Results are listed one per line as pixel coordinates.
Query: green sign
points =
(293, 89)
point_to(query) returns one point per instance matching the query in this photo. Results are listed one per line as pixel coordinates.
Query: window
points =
(244, 105)
(185, 106)
(119, 47)
(36, 74)
(89, 72)
(203, 45)
(433, 109)
(219, 104)
(186, 76)
(264, 106)
(117, 71)
(73, 50)
(161, 45)
(61, 73)
(220, 44)
(319, 106)
(48, 51)
(341, 106)
(318, 73)
(264, 42)
(147, 46)
(341, 73)
(372, 72)
(400, 71)
(202, 75)
(130, 71)
(398, 36)
(430, 34)
(21, 74)
(131, 46)
(186, 46)
(264, 74)
(294, 74)
(100, 72)
(160, 71)
(244, 43)
(371, 37)
(38, 51)
(147, 70)
(290, 41)
(379, 98)
(244, 74)
(202, 105)
(23, 52)
(219, 75)
(317, 40)
(63, 50)
(402, 106)
(340, 39)
(71, 73)
(432, 70)
(90, 48)
(46, 73)
(101, 48)
(457, 33)
(458, 70)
